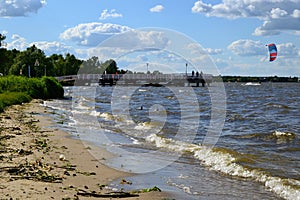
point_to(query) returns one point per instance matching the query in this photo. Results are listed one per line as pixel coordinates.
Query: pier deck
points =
(137, 79)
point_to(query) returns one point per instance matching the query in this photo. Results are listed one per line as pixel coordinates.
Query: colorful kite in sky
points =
(272, 51)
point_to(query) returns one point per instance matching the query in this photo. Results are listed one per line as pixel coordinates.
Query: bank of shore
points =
(39, 161)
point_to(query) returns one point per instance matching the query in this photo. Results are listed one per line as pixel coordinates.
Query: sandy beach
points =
(39, 161)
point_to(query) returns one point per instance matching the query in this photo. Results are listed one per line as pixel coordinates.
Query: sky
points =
(232, 33)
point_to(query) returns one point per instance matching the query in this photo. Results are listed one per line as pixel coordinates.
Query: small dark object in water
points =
(152, 85)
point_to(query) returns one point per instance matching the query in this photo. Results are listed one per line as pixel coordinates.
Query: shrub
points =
(52, 88)
(38, 88)
(13, 98)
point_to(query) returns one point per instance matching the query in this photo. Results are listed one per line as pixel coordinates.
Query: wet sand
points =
(39, 161)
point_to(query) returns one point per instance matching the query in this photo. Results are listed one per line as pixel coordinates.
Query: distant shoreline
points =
(259, 79)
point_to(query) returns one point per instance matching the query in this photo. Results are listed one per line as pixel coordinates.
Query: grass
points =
(13, 98)
(19, 89)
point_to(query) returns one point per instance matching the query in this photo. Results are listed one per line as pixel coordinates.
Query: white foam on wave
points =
(125, 97)
(282, 134)
(51, 105)
(183, 187)
(226, 163)
(135, 141)
(106, 116)
(143, 126)
(94, 113)
(81, 106)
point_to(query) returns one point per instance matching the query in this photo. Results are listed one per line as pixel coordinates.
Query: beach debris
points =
(87, 173)
(31, 171)
(28, 159)
(67, 173)
(41, 143)
(123, 182)
(62, 157)
(24, 152)
(145, 190)
(6, 137)
(68, 167)
(106, 195)
(155, 188)
(101, 186)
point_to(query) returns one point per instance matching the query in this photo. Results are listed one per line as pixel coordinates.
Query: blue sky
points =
(233, 33)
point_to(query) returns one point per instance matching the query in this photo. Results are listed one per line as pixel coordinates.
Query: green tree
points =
(2, 37)
(91, 66)
(94, 66)
(31, 62)
(72, 65)
(61, 66)
(156, 72)
(58, 64)
(110, 66)
(7, 59)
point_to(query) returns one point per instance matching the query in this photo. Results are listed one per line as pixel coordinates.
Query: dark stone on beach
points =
(67, 173)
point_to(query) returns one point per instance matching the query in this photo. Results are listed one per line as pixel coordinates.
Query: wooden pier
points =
(155, 80)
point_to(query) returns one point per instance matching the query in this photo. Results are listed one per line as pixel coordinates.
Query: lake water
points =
(197, 142)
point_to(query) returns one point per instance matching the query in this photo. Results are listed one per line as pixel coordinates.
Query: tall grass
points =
(18, 89)
(13, 98)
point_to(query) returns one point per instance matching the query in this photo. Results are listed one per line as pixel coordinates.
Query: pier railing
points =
(138, 79)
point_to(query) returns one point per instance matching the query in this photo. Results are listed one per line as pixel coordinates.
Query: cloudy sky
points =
(233, 32)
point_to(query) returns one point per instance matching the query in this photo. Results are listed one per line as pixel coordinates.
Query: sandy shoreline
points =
(41, 162)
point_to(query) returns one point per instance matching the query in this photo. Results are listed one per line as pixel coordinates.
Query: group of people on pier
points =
(197, 73)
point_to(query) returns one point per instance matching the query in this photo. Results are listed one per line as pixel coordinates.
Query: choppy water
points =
(159, 132)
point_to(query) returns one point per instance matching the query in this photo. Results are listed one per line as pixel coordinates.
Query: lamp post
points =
(147, 68)
(186, 65)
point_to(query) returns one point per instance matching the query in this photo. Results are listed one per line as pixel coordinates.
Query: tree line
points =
(33, 62)
(258, 79)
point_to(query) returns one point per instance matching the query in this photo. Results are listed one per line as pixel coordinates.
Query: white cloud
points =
(264, 30)
(140, 41)
(288, 55)
(288, 50)
(247, 48)
(276, 26)
(277, 15)
(20, 43)
(109, 14)
(13, 8)
(200, 7)
(53, 47)
(195, 48)
(91, 34)
(213, 51)
(4, 32)
(296, 13)
(157, 8)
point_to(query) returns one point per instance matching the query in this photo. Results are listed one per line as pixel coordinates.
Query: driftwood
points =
(30, 172)
(107, 195)
(9, 169)
(51, 180)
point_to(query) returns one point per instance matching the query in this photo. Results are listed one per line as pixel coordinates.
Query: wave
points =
(278, 137)
(227, 162)
(279, 134)
(277, 105)
(106, 116)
